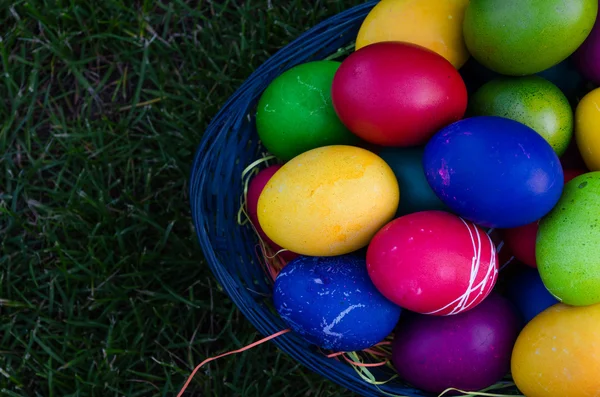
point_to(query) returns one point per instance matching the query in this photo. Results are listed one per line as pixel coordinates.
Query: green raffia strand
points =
(247, 174)
(484, 393)
(341, 52)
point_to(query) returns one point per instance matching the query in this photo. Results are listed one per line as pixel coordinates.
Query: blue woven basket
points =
(229, 145)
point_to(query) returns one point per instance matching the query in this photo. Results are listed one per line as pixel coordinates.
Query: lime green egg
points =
(295, 113)
(531, 100)
(523, 37)
(568, 243)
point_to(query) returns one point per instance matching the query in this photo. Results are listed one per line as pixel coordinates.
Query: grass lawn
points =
(103, 289)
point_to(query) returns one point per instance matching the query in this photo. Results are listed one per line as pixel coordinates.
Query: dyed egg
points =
(587, 57)
(529, 294)
(469, 351)
(328, 201)
(388, 101)
(587, 125)
(332, 303)
(494, 171)
(558, 353)
(567, 78)
(433, 262)
(518, 38)
(255, 188)
(407, 165)
(433, 24)
(521, 240)
(531, 100)
(295, 113)
(567, 243)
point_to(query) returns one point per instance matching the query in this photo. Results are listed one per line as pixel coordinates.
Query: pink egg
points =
(433, 262)
(255, 188)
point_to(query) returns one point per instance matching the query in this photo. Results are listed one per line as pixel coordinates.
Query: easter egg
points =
(587, 56)
(332, 303)
(587, 125)
(567, 78)
(528, 293)
(516, 37)
(531, 100)
(469, 351)
(255, 188)
(433, 262)
(567, 243)
(407, 165)
(433, 24)
(328, 201)
(397, 94)
(494, 171)
(521, 240)
(295, 113)
(558, 353)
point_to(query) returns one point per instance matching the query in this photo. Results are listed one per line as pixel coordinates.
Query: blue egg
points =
(493, 171)
(567, 78)
(415, 193)
(332, 303)
(527, 292)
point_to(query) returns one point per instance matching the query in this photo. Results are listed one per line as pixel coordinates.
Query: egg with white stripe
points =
(332, 303)
(433, 262)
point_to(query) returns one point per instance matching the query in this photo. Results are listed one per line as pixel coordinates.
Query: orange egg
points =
(558, 353)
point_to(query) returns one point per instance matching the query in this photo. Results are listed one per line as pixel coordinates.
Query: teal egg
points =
(568, 241)
(415, 193)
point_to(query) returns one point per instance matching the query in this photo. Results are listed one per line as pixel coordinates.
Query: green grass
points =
(103, 289)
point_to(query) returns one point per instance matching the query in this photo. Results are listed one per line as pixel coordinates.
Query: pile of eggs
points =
(451, 119)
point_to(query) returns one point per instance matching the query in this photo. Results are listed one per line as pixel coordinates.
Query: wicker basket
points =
(229, 145)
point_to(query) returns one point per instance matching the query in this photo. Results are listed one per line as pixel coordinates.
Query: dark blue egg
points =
(567, 78)
(494, 171)
(415, 193)
(527, 292)
(332, 303)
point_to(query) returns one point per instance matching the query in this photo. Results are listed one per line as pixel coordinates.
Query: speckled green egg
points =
(522, 37)
(568, 243)
(531, 100)
(295, 113)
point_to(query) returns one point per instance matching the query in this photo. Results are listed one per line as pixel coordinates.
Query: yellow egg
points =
(434, 24)
(558, 353)
(328, 201)
(587, 129)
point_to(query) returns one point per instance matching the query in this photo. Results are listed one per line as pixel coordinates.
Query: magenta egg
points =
(587, 56)
(255, 188)
(469, 351)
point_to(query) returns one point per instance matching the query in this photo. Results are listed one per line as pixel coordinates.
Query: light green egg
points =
(568, 243)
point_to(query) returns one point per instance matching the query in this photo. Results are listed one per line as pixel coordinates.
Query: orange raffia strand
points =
(250, 346)
(380, 364)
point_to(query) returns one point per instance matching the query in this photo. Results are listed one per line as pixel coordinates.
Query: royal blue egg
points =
(332, 303)
(527, 292)
(493, 171)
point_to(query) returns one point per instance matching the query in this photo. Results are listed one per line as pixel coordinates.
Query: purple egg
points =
(468, 351)
(587, 56)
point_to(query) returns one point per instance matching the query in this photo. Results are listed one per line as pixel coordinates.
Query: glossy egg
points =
(567, 244)
(494, 171)
(433, 262)
(295, 113)
(332, 303)
(531, 100)
(255, 188)
(558, 353)
(407, 164)
(328, 201)
(587, 125)
(528, 293)
(469, 351)
(587, 56)
(433, 24)
(516, 37)
(388, 101)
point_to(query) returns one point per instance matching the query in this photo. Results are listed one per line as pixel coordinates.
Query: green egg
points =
(415, 193)
(295, 113)
(568, 243)
(522, 37)
(531, 100)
